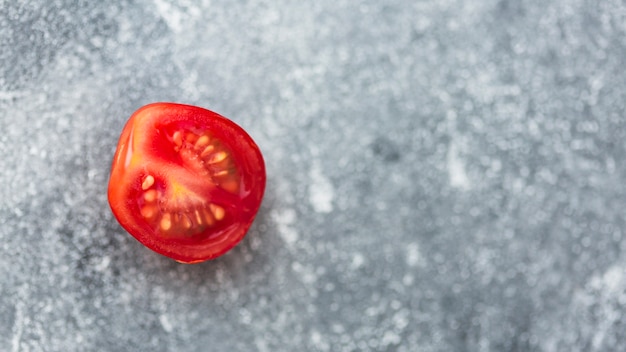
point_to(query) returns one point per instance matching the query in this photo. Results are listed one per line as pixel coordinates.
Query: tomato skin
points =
(185, 181)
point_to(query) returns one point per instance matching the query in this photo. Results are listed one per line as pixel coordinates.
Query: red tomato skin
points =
(143, 150)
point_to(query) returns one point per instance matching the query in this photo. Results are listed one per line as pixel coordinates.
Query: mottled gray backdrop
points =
(443, 175)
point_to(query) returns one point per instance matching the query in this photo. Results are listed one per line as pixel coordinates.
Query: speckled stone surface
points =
(442, 175)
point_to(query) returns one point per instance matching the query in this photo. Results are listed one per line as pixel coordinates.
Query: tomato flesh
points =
(185, 181)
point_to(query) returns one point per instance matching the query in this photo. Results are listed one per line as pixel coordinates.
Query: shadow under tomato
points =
(248, 264)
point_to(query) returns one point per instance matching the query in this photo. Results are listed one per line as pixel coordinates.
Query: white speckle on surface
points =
(11, 95)
(594, 306)
(408, 280)
(20, 318)
(401, 319)
(245, 316)
(166, 323)
(285, 219)
(457, 174)
(104, 263)
(321, 191)
(318, 341)
(413, 255)
(456, 168)
(390, 338)
(260, 343)
(358, 259)
(612, 282)
(305, 272)
(174, 15)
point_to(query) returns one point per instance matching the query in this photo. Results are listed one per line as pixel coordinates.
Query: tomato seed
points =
(191, 137)
(218, 212)
(186, 221)
(208, 150)
(147, 182)
(166, 222)
(148, 211)
(198, 217)
(217, 157)
(201, 142)
(177, 138)
(150, 195)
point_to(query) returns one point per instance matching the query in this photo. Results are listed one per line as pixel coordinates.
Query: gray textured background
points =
(442, 175)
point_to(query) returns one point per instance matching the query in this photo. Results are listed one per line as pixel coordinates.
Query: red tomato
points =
(185, 181)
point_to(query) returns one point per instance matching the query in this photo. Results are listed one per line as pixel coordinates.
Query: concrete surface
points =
(442, 175)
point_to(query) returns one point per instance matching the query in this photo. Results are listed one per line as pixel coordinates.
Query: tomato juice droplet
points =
(185, 181)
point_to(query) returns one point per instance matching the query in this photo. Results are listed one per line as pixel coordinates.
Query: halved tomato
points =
(185, 181)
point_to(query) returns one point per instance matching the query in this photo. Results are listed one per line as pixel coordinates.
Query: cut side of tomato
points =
(185, 181)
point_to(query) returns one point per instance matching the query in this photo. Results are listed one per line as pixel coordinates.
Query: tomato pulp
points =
(186, 182)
